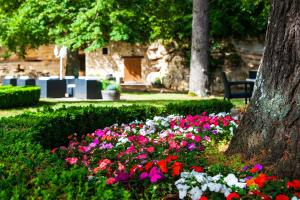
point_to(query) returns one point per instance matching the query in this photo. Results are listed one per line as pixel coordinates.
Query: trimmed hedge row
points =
(29, 171)
(82, 120)
(16, 96)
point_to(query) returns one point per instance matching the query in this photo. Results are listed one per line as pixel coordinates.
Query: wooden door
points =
(133, 69)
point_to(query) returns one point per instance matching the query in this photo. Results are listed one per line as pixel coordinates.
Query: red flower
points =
(177, 167)
(111, 181)
(282, 197)
(163, 166)
(261, 180)
(170, 158)
(196, 168)
(297, 194)
(255, 192)
(148, 165)
(233, 195)
(295, 184)
(265, 197)
(203, 198)
(134, 169)
(53, 150)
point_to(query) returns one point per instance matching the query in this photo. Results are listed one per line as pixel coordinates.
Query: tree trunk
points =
(73, 63)
(198, 83)
(269, 131)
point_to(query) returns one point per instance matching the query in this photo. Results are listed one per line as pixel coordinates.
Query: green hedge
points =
(29, 171)
(82, 120)
(15, 96)
(198, 107)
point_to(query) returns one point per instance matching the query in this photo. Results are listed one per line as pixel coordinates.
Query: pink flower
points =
(53, 150)
(83, 149)
(207, 138)
(71, 161)
(103, 164)
(121, 167)
(150, 149)
(111, 181)
(197, 138)
(142, 156)
(183, 143)
(142, 139)
(189, 136)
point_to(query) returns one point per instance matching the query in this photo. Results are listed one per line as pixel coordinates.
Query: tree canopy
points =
(90, 24)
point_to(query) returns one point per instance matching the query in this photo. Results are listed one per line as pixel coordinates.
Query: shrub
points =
(197, 107)
(14, 96)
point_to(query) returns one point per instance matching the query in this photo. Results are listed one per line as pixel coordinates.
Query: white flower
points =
(182, 190)
(232, 180)
(195, 193)
(217, 177)
(294, 198)
(180, 181)
(200, 177)
(186, 175)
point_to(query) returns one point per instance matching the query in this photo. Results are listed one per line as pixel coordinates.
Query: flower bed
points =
(144, 153)
(165, 156)
(246, 184)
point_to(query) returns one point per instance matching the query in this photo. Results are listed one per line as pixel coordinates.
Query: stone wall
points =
(166, 64)
(37, 62)
(160, 63)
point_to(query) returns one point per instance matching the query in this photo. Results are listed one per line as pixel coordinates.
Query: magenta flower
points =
(197, 138)
(142, 139)
(144, 175)
(191, 146)
(206, 126)
(122, 176)
(155, 174)
(142, 156)
(99, 133)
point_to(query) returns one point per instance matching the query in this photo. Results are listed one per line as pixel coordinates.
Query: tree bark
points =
(269, 131)
(73, 63)
(198, 82)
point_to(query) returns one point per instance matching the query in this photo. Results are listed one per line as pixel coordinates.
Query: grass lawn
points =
(129, 98)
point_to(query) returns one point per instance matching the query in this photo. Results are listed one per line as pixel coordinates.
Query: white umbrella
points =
(61, 54)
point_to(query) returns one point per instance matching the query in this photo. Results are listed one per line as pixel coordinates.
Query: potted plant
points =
(110, 90)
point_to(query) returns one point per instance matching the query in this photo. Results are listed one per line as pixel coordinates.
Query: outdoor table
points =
(52, 88)
(9, 80)
(87, 88)
(251, 80)
(25, 81)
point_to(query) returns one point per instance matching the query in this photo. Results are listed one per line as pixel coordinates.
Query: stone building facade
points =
(140, 64)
